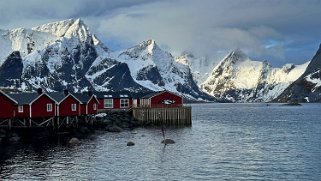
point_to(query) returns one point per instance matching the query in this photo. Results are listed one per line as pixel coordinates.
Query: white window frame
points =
(121, 103)
(112, 103)
(73, 107)
(49, 107)
(95, 106)
(20, 108)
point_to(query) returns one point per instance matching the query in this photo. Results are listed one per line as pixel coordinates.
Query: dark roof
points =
(137, 95)
(23, 98)
(57, 96)
(82, 97)
(151, 94)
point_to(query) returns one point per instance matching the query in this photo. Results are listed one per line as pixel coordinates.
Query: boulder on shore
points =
(114, 129)
(84, 130)
(14, 137)
(168, 141)
(74, 141)
(130, 143)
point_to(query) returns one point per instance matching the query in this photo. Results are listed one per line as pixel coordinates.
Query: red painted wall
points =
(83, 109)
(157, 100)
(39, 107)
(90, 105)
(101, 104)
(25, 113)
(65, 107)
(7, 107)
(116, 103)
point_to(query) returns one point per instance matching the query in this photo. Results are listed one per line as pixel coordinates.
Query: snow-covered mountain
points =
(57, 56)
(157, 69)
(65, 55)
(200, 66)
(307, 88)
(240, 79)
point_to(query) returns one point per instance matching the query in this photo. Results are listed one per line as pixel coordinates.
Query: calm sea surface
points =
(226, 142)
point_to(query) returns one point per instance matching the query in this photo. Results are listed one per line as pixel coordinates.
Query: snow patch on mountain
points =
(314, 80)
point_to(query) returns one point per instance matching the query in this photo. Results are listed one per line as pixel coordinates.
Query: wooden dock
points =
(169, 116)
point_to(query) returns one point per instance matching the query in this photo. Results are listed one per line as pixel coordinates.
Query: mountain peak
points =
(66, 28)
(150, 45)
(236, 55)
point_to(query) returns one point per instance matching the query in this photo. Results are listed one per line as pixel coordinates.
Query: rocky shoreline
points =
(111, 122)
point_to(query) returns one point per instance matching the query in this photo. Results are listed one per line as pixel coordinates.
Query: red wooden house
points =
(34, 105)
(161, 99)
(67, 104)
(89, 103)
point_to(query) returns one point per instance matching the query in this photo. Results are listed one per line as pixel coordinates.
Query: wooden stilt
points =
(174, 116)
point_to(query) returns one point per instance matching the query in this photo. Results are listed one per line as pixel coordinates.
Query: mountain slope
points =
(58, 56)
(241, 79)
(200, 67)
(307, 88)
(156, 69)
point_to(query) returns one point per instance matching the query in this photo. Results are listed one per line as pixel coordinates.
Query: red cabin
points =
(67, 104)
(34, 105)
(161, 99)
(89, 103)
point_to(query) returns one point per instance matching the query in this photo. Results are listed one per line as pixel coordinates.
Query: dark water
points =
(226, 142)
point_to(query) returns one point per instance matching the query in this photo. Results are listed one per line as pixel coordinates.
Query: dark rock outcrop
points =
(305, 88)
(11, 70)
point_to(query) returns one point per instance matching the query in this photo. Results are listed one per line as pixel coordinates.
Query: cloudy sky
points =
(280, 31)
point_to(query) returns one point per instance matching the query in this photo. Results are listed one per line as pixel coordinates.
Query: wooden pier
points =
(169, 116)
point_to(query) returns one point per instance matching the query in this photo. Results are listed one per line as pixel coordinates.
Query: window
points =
(49, 107)
(124, 103)
(20, 108)
(95, 107)
(108, 103)
(73, 107)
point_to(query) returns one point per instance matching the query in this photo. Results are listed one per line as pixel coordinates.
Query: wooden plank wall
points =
(179, 116)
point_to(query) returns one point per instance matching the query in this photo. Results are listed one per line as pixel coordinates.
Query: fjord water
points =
(226, 142)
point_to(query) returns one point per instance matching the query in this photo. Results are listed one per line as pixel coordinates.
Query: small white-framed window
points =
(95, 106)
(124, 103)
(73, 107)
(49, 107)
(20, 108)
(108, 103)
